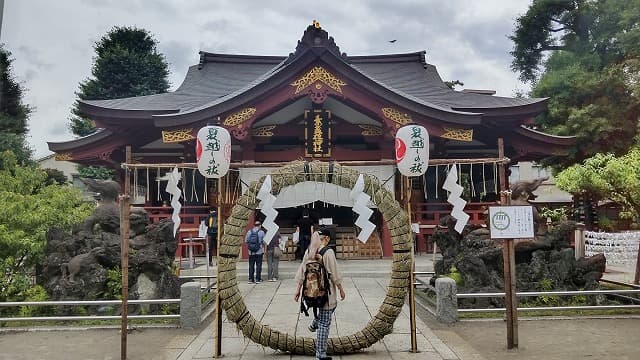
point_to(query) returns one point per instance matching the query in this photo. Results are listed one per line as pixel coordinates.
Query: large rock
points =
(77, 264)
(546, 262)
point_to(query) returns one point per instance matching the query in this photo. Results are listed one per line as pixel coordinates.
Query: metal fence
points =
(432, 306)
(87, 303)
(552, 293)
(206, 288)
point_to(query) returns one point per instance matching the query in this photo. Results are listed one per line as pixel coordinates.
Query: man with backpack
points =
(318, 278)
(255, 246)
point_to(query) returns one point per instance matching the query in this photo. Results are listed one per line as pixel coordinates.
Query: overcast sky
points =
(52, 41)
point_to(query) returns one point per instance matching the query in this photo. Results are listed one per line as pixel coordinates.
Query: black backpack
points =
(315, 285)
(254, 241)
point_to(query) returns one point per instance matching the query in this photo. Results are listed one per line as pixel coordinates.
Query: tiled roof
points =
(220, 75)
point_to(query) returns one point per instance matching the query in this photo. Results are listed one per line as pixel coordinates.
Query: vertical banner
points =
(412, 150)
(213, 151)
(317, 133)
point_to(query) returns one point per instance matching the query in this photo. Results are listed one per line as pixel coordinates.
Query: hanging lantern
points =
(213, 151)
(412, 150)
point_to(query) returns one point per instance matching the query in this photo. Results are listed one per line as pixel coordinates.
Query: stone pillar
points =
(578, 241)
(190, 307)
(446, 300)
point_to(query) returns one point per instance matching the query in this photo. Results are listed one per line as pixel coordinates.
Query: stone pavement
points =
(272, 303)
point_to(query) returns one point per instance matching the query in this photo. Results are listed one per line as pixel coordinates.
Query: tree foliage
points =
(30, 207)
(127, 63)
(606, 176)
(55, 176)
(451, 84)
(590, 50)
(96, 172)
(14, 114)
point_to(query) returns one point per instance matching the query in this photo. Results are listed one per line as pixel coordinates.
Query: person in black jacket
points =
(304, 227)
(212, 234)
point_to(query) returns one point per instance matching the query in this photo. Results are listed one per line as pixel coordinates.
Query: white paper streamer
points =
(618, 248)
(455, 190)
(360, 201)
(176, 193)
(266, 207)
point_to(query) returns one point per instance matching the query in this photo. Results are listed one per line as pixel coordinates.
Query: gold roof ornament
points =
(318, 73)
(370, 130)
(316, 24)
(236, 119)
(176, 136)
(396, 116)
(457, 134)
(66, 156)
(263, 131)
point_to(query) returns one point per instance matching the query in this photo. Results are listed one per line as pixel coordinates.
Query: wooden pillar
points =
(412, 298)
(218, 309)
(124, 253)
(508, 257)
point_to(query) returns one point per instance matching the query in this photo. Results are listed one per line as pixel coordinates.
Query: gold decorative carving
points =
(458, 134)
(176, 136)
(319, 73)
(396, 116)
(241, 116)
(263, 131)
(63, 156)
(370, 130)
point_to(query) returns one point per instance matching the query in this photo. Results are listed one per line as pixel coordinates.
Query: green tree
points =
(606, 176)
(96, 172)
(453, 83)
(55, 176)
(589, 51)
(30, 207)
(13, 112)
(127, 63)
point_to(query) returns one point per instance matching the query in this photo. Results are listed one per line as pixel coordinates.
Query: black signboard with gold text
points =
(317, 133)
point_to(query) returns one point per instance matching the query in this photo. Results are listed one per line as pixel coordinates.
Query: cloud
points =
(179, 56)
(53, 41)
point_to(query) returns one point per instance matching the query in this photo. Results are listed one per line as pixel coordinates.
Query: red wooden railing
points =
(429, 216)
(190, 217)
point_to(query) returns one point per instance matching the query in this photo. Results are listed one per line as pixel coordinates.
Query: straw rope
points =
(380, 325)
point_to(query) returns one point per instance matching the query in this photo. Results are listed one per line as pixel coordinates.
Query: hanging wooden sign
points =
(317, 133)
(412, 150)
(213, 151)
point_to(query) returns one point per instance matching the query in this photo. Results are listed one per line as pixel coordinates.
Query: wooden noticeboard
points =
(508, 223)
(511, 222)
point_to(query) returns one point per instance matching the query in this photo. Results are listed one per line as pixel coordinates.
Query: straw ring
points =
(380, 324)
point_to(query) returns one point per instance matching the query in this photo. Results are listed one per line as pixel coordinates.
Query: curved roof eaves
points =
(271, 72)
(539, 135)
(72, 144)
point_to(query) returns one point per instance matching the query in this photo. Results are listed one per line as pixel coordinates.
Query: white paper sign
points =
(412, 150)
(213, 151)
(510, 222)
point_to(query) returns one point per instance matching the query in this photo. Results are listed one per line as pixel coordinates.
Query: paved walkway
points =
(272, 303)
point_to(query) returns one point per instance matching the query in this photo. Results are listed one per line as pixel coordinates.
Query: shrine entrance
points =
(340, 220)
(232, 241)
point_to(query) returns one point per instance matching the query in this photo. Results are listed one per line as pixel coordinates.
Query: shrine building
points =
(317, 103)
